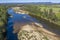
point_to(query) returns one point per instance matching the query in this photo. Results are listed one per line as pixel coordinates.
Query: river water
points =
(19, 18)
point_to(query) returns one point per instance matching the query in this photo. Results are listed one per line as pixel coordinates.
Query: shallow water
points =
(22, 18)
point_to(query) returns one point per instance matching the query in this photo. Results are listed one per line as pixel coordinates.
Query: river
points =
(16, 18)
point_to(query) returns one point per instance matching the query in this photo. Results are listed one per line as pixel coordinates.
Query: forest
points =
(3, 21)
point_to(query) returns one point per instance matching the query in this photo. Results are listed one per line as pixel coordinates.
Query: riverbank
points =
(18, 10)
(51, 24)
(22, 22)
(18, 27)
(52, 30)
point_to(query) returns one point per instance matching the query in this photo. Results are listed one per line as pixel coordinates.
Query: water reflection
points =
(17, 18)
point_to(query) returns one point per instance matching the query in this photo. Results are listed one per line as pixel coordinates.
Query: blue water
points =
(16, 18)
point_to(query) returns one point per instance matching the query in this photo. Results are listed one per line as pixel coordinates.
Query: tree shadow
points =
(51, 27)
(10, 34)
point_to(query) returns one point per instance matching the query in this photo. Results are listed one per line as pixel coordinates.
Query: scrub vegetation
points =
(3, 21)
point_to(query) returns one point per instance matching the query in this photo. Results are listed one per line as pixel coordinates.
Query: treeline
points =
(47, 14)
(3, 21)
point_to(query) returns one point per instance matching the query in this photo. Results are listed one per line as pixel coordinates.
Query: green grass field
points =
(56, 10)
(35, 9)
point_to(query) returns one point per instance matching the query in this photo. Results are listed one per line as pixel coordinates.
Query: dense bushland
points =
(3, 21)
